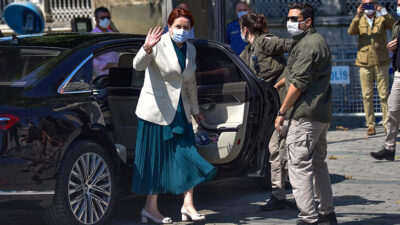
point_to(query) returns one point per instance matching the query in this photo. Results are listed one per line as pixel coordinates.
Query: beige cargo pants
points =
(394, 114)
(278, 161)
(367, 77)
(307, 148)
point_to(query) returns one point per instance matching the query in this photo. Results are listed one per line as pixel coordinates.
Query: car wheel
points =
(86, 187)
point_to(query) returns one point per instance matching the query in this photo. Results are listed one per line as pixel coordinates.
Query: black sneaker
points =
(274, 204)
(383, 154)
(329, 219)
(302, 222)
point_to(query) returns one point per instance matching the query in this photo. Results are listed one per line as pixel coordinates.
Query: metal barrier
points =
(347, 98)
(63, 11)
(279, 8)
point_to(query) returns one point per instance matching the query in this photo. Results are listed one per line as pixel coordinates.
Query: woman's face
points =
(180, 23)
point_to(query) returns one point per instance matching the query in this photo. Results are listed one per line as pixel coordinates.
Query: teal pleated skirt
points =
(166, 159)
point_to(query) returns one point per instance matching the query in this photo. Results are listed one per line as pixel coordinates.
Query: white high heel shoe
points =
(147, 216)
(194, 218)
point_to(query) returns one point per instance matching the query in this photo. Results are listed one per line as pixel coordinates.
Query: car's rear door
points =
(235, 104)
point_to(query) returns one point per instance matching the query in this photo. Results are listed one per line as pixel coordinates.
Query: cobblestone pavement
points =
(366, 191)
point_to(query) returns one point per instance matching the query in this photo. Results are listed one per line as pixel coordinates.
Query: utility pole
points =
(167, 6)
(217, 20)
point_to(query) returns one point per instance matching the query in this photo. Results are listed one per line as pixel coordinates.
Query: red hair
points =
(178, 12)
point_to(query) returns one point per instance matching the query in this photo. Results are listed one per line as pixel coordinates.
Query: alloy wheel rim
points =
(89, 188)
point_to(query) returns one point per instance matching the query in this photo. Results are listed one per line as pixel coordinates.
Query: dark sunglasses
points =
(369, 6)
(104, 17)
(293, 18)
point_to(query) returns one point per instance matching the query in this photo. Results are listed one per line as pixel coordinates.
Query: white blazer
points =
(164, 83)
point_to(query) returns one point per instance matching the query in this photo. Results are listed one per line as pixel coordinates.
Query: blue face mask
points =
(179, 35)
(242, 13)
(398, 11)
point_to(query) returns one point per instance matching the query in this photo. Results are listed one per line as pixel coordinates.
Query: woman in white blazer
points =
(166, 159)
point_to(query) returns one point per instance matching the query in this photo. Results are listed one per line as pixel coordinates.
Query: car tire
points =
(86, 187)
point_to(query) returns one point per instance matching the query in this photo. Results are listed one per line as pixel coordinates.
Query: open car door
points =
(237, 107)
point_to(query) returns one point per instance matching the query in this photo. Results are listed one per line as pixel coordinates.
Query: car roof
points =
(64, 40)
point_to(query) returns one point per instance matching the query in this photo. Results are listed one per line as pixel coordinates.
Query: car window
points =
(23, 66)
(215, 67)
(82, 80)
(117, 65)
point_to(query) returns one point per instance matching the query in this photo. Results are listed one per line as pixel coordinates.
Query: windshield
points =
(19, 67)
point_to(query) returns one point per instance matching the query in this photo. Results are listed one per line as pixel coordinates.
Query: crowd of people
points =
(166, 157)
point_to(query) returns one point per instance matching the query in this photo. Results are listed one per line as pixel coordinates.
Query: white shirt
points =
(370, 21)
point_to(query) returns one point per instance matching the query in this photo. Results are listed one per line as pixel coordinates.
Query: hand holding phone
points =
(360, 10)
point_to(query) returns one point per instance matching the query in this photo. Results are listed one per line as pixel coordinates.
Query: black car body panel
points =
(47, 122)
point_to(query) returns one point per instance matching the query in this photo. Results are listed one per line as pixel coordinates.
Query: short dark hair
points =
(256, 23)
(100, 10)
(307, 10)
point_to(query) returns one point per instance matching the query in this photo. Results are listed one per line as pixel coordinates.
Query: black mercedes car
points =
(67, 133)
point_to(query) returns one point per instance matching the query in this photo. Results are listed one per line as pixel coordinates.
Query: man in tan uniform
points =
(370, 24)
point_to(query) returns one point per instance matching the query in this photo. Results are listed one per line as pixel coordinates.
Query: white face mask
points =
(104, 23)
(369, 12)
(242, 13)
(243, 36)
(293, 28)
(398, 11)
(179, 35)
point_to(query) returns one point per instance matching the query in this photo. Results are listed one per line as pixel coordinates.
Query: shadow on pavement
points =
(358, 139)
(336, 178)
(375, 218)
(228, 201)
(346, 200)
(385, 161)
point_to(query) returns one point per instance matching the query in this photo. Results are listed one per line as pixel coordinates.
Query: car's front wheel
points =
(86, 187)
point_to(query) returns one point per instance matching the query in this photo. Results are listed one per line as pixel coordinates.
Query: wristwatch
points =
(281, 114)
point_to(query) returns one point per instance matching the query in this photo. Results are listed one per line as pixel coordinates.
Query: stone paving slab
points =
(366, 192)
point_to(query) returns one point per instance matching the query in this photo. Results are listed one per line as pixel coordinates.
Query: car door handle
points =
(212, 128)
(206, 104)
(207, 107)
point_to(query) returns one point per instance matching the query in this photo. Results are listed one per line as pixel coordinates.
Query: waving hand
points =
(152, 38)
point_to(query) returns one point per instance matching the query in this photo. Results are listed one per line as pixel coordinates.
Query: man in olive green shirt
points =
(370, 24)
(307, 105)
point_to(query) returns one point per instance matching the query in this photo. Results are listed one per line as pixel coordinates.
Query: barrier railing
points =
(63, 11)
(346, 86)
